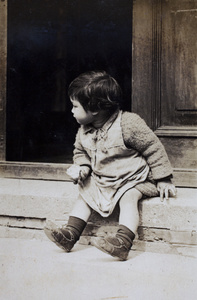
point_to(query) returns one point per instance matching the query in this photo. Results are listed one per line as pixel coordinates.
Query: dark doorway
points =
(50, 42)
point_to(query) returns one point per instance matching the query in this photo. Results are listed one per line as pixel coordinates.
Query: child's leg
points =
(120, 245)
(81, 210)
(66, 236)
(129, 214)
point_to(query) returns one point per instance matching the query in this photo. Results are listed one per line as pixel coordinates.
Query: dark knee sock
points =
(126, 235)
(74, 225)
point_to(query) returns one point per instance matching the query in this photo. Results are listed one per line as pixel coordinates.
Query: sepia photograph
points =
(98, 149)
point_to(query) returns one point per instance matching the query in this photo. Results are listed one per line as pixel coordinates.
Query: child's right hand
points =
(83, 174)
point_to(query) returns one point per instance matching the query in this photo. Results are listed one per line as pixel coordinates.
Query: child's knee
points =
(131, 196)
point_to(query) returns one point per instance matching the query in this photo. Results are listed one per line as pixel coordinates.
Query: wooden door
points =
(165, 79)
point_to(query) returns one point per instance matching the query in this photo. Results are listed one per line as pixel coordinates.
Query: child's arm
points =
(82, 159)
(139, 136)
(80, 156)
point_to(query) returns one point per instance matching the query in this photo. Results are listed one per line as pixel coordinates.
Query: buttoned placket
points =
(99, 137)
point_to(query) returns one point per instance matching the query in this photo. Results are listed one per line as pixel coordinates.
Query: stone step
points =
(26, 204)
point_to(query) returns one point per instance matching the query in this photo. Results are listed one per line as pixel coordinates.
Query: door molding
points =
(3, 67)
(183, 131)
(156, 64)
(146, 61)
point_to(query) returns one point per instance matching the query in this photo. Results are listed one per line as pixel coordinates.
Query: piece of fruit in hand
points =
(73, 171)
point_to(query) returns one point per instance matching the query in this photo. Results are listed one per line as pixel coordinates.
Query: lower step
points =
(148, 234)
(148, 239)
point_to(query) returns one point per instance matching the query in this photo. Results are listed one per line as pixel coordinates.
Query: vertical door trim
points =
(3, 69)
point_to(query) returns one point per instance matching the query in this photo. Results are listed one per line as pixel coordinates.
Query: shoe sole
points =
(95, 243)
(51, 237)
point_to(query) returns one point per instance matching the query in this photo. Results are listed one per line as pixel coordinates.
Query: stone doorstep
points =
(97, 226)
(26, 204)
(178, 214)
(32, 228)
(156, 246)
(147, 234)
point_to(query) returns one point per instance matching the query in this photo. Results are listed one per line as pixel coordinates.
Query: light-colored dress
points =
(123, 154)
(115, 168)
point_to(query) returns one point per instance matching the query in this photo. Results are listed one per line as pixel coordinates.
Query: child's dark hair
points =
(96, 90)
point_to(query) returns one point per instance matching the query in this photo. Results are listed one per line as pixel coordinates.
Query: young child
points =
(120, 160)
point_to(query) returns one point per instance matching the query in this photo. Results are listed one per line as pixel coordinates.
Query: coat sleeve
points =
(139, 136)
(80, 156)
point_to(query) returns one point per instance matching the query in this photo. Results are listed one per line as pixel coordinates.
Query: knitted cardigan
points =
(138, 135)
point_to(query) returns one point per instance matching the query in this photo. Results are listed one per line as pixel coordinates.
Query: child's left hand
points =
(166, 189)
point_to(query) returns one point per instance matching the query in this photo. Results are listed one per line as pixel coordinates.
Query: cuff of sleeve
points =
(164, 178)
(82, 161)
(86, 165)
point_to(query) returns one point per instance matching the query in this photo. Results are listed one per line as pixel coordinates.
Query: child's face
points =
(82, 117)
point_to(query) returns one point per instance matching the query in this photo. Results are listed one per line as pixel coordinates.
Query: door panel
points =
(171, 80)
(179, 87)
(179, 63)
